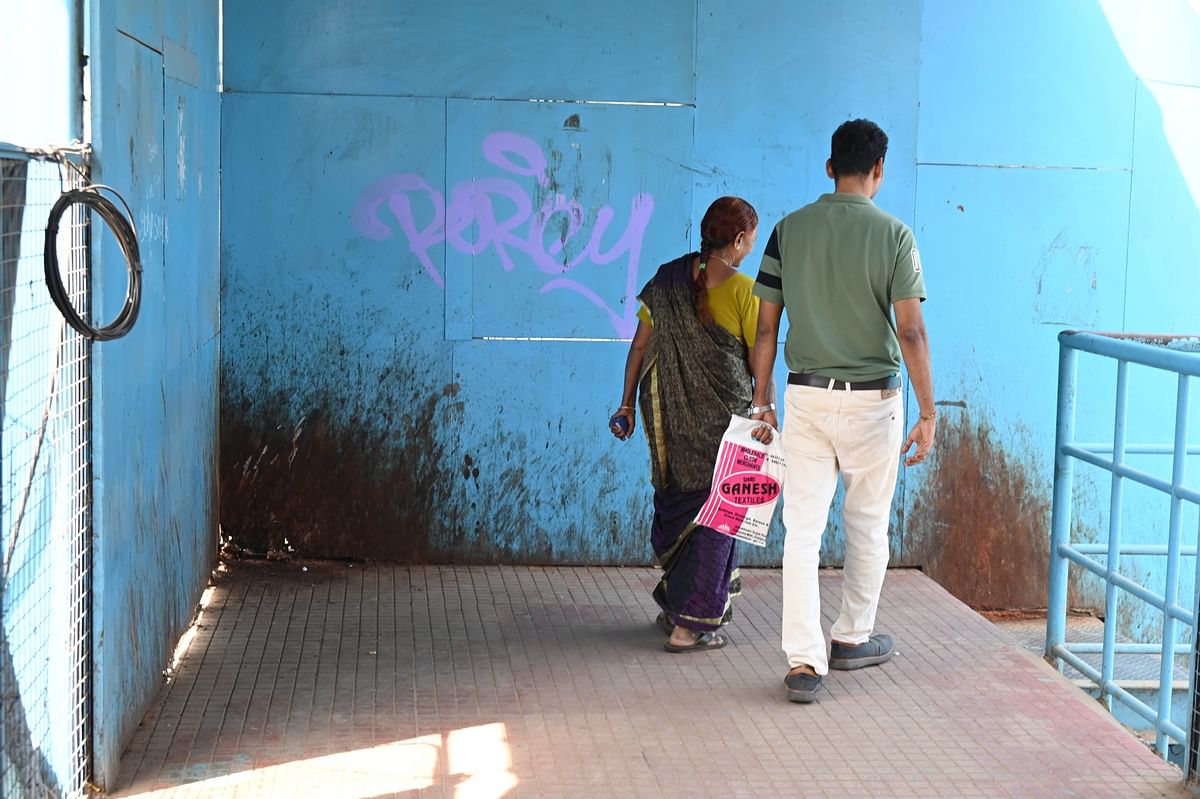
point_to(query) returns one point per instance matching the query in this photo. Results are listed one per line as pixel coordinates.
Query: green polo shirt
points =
(836, 266)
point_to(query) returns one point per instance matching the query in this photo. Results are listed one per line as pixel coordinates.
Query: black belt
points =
(817, 381)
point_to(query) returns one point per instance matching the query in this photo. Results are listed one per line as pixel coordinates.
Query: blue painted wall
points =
(427, 275)
(1052, 193)
(372, 400)
(156, 133)
(1023, 188)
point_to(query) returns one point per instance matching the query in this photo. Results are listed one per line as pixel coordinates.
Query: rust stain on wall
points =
(336, 490)
(980, 524)
(409, 489)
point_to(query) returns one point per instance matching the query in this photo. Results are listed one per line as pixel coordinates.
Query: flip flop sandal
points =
(664, 623)
(703, 643)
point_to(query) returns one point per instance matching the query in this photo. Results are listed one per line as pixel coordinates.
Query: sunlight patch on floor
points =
(476, 759)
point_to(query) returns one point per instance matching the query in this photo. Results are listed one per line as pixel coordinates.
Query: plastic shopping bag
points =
(746, 485)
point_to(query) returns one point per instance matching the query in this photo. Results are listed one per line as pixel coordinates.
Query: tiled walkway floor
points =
(356, 682)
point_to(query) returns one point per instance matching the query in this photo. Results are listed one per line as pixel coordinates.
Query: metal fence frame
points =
(1176, 354)
(45, 451)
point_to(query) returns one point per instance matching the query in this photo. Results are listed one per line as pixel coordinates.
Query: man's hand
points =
(764, 433)
(922, 435)
(762, 364)
(910, 329)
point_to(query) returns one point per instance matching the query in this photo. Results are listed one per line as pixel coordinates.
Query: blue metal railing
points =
(1180, 356)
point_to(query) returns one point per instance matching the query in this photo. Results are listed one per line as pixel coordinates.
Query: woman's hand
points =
(623, 422)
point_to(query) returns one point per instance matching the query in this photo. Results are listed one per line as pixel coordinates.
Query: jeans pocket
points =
(806, 432)
(870, 436)
(870, 416)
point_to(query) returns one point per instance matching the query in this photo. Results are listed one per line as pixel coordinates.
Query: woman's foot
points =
(684, 640)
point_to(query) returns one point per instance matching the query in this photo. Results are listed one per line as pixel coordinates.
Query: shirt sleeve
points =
(908, 279)
(643, 313)
(769, 285)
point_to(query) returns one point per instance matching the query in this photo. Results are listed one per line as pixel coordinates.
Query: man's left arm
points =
(914, 347)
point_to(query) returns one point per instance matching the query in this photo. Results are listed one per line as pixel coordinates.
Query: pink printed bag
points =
(747, 482)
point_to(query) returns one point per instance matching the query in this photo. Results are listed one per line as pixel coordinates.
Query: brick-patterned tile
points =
(347, 681)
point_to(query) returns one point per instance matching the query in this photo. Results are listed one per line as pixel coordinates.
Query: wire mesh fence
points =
(45, 480)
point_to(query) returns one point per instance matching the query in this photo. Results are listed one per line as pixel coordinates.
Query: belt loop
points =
(847, 385)
(829, 387)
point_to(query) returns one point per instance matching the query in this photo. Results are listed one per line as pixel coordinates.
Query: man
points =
(842, 268)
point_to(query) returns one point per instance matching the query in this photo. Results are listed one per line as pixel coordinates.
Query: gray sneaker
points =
(878, 649)
(802, 687)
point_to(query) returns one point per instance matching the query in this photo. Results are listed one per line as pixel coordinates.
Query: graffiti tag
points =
(469, 223)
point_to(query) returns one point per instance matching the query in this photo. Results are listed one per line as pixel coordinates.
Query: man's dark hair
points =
(856, 146)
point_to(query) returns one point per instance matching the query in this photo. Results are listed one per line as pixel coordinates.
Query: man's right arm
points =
(768, 287)
(914, 346)
(762, 358)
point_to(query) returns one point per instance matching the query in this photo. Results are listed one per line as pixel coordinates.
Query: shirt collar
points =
(845, 197)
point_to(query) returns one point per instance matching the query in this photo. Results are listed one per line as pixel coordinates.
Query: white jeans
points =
(859, 434)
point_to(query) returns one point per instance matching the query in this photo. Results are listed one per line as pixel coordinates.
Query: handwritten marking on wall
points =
(499, 214)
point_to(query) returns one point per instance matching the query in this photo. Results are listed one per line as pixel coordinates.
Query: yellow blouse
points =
(733, 306)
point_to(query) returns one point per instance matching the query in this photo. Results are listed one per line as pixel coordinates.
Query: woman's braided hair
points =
(724, 220)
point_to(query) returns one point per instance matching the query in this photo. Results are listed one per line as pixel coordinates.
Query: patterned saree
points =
(694, 377)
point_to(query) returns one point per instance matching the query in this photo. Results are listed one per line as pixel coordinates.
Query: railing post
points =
(1191, 770)
(1111, 597)
(1060, 523)
(1166, 672)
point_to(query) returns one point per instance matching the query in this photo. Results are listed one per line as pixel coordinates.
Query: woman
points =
(690, 356)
